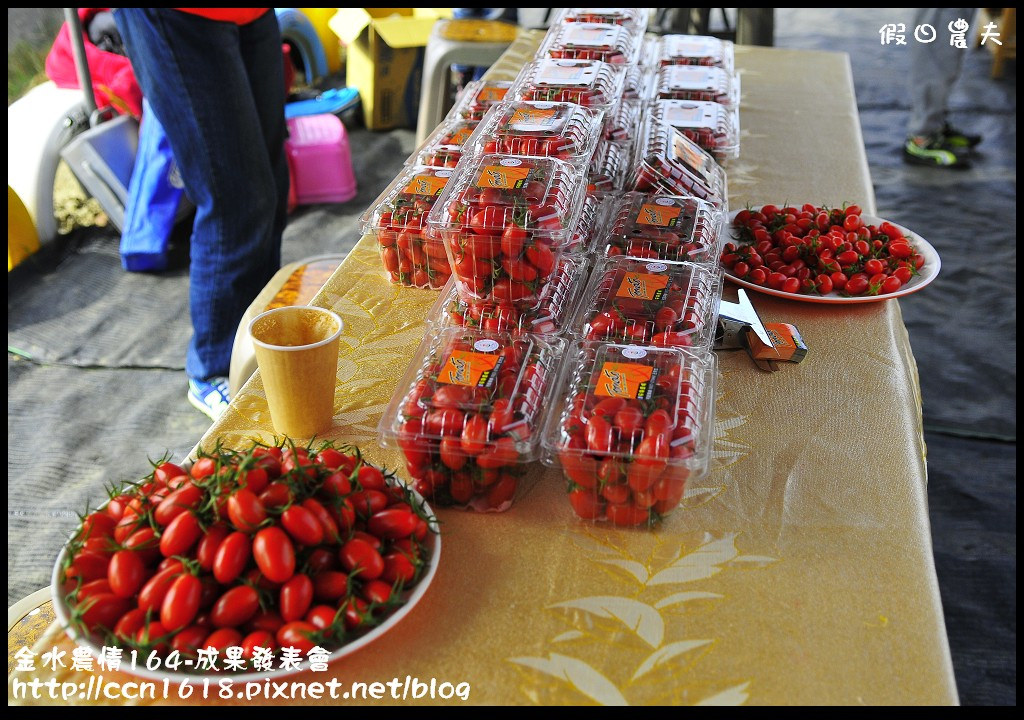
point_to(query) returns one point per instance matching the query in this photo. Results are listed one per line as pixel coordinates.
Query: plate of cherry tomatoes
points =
(242, 554)
(825, 255)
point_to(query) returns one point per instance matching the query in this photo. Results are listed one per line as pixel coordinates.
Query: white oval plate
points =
(413, 597)
(925, 275)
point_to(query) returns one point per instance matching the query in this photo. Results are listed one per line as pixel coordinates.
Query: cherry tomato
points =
(180, 535)
(231, 557)
(235, 607)
(126, 573)
(274, 554)
(181, 603)
(393, 523)
(360, 558)
(297, 634)
(245, 510)
(303, 525)
(295, 597)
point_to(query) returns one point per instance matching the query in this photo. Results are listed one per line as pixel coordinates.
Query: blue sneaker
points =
(210, 396)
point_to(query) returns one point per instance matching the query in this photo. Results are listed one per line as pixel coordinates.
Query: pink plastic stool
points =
(319, 160)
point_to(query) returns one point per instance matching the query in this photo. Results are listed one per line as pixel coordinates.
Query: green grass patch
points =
(25, 69)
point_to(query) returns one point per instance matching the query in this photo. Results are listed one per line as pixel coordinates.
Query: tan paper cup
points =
(297, 353)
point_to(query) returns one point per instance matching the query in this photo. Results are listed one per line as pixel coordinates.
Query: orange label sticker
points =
(490, 94)
(641, 286)
(460, 136)
(470, 368)
(533, 116)
(658, 215)
(503, 176)
(429, 185)
(626, 380)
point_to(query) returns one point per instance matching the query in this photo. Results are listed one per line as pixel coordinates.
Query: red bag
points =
(113, 80)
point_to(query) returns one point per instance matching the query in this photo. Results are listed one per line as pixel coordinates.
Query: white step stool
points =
(466, 42)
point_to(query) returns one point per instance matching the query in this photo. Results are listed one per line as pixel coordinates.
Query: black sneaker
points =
(958, 138)
(934, 151)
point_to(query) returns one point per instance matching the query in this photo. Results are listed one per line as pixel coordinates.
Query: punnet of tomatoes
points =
(590, 83)
(549, 317)
(269, 548)
(672, 228)
(669, 163)
(524, 128)
(692, 82)
(644, 302)
(815, 250)
(613, 44)
(444, 147)
(469, 413)
(632, 18)
(506, 222)
(693, 50)
(476, 99)
(631, 426)
(714, 127)
(411, 251)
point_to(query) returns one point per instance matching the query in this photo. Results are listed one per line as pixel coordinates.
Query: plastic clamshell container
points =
(646, 302)
(608, 167)
(505, 222)
(636, 79)
(549, 317)
(470, 412)
(712, 126)
(590, 83)
(634, 19)
(693, 82)
(630, 427)
(669, 163)
(589, 226)
(477, 97)
(561, 130)
(592, 41)
(444, 146)
(693, 50)
(412, 253)
(623, 120)
(664, 227)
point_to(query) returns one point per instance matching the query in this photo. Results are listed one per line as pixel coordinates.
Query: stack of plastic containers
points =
(581, 222)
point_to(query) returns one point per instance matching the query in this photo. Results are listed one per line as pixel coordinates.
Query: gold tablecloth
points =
(799, 571)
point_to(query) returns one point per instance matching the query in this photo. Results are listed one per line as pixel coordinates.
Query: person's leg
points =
(193, 73)
(264, 63)
(934, 68)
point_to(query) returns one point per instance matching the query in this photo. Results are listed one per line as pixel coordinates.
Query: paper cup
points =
(297, 353)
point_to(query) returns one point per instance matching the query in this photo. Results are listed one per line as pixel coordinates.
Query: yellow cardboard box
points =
(384, 59)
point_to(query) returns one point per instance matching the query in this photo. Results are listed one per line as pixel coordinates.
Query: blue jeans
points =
(218, 89)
